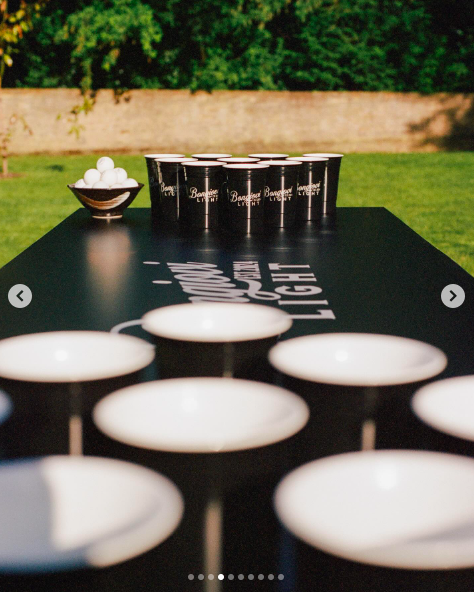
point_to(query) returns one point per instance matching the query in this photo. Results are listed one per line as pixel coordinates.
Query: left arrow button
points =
(20, 296)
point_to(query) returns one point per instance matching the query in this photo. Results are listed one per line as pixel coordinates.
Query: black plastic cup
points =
(211, 156)
(232, 160)
(244, 188)
(332, 181)
(281, 192)
(54, 379)
(311, 187)
(153, 182)
(363, 382)
(238, 160)
(172, 189)
(203, 192)
(215, 338)
(269, 155)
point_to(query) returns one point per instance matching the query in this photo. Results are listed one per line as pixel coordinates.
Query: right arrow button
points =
(453, 296)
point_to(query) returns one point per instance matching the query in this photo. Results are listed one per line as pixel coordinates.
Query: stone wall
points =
(242, 121)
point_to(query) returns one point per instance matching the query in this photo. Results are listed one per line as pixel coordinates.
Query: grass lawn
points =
(432, 193)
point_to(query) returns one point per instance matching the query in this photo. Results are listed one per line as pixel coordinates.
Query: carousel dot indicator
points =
(191, 577)
(281, 577)
(200, 577)
(220, 577)
(251, 576)
(211, 576)
(241, 576)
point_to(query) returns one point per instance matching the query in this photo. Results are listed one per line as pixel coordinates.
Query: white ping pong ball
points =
(105, 164)
(130, 183)
(91, 176)
(109, 176)
(121, 174)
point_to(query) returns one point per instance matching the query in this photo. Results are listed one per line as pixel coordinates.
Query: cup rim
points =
(238, 159)
(204, 155)
(128, 364)
(268, 155)
(6, 406)
(308, 158)
(203, 163)
(378, 470)
(150, 396)
(104, 545)
(164, 155)
(326, 154)
(444, 405)
(283, 162)
(280, 356)
(176, 160)
(246, 166)
(279, 323)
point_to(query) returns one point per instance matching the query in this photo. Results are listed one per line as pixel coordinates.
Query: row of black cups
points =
(247, 194)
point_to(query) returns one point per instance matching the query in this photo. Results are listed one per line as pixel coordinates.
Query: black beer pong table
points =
(368, 273)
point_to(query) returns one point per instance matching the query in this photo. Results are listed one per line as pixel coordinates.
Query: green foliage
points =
(73, 117)
(100, 35)
(398, 45)
(15, 21)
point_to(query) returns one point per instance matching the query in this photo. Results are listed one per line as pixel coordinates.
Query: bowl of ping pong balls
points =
(106, 190)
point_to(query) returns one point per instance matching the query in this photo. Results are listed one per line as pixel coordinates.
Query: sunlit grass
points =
(432, 193)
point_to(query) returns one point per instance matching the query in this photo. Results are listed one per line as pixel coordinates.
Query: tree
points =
(397, 45)
(6, 136)
(14, 24)
(90, 45)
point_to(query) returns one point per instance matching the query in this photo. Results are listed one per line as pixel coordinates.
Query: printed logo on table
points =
(292, 285)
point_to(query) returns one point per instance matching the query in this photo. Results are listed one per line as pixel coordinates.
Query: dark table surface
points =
(373, 274)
